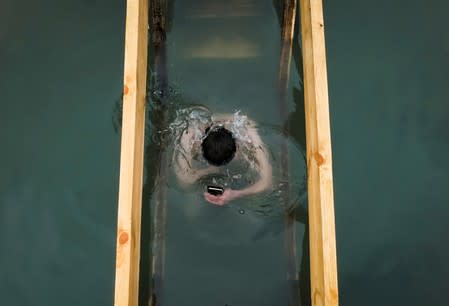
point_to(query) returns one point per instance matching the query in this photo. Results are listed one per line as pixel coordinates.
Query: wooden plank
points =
(323, 261)
(288, 26)
(132, 149)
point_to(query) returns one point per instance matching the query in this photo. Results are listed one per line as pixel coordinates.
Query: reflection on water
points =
(218, 48)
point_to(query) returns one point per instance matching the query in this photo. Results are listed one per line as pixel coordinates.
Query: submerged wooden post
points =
(288, 26)
(159, 227)
(323, 261)
(131, 160)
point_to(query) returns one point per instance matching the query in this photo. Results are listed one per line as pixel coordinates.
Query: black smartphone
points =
(215, 190)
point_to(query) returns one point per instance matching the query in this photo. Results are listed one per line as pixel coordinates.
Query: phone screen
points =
(215, 190)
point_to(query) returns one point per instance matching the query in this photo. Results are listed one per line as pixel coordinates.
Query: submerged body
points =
(211, 146)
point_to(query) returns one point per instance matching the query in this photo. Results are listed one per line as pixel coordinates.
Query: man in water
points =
(219, 146)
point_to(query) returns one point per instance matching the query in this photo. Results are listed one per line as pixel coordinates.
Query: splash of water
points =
(243, 173)
(239, 127)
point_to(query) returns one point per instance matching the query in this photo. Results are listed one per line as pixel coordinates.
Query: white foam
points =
(239, 127)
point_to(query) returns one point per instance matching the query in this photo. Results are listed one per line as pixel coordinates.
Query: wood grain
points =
(323, 261)
(131, 158)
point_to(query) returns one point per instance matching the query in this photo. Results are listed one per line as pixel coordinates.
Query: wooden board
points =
(323, 261)
(131, 160)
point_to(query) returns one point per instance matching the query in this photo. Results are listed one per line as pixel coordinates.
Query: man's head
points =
(219, 146)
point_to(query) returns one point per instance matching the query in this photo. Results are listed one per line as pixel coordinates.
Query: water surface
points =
(61, 67)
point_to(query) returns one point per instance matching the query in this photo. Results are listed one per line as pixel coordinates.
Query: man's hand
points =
(228, 195)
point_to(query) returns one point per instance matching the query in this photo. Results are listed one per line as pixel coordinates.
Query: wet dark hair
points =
(219, 146)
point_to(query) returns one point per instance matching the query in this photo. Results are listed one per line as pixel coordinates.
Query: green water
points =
(61, 65)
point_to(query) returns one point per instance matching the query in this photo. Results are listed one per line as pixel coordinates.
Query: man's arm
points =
(265, 171)
(185, 173)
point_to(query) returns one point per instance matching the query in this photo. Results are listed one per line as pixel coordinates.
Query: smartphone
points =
(215, 190)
